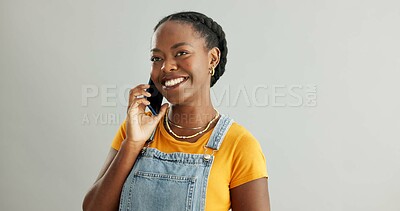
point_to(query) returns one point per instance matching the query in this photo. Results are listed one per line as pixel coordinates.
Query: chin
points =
(178, 99)
(175, 100)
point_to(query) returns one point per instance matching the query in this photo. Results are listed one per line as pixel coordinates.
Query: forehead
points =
(172, 32)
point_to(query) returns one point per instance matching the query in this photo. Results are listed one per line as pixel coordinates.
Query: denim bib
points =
(172, 181)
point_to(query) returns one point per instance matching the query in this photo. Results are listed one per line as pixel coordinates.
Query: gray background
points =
(342, 153)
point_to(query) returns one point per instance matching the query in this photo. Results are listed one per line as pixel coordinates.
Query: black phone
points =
(155, 99)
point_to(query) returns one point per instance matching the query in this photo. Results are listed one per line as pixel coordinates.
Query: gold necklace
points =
(189, 128)
(190, 136)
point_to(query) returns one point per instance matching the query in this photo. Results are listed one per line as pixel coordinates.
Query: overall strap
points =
(219, 132)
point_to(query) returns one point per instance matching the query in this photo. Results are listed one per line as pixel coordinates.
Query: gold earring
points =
(212, 71)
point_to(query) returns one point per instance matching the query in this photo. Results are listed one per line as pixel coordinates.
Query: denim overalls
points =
(172, 181)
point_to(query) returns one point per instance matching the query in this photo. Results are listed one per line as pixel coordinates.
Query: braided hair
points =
(210, 30)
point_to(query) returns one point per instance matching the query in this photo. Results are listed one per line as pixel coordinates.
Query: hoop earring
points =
(212, 71)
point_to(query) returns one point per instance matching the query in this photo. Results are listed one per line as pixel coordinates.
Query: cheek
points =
(187, 64)
(194, 65)
(154, 75)
(155, 70)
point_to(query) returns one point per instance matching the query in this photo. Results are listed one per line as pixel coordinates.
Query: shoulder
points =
(241, 141)
(240, 135)
(247, 158)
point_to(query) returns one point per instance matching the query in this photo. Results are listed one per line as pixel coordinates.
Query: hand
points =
(139, 126)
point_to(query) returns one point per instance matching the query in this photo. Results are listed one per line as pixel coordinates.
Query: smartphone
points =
(155, 99)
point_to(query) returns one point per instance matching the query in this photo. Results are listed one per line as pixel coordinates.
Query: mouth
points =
(174, 82)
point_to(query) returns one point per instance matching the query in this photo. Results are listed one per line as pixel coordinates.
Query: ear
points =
(213, 57)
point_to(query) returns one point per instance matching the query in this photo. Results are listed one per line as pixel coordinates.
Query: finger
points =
(139, 87)
(142, 86)
(136, 99)
(139, 92)
(138, 103)
(162, 111)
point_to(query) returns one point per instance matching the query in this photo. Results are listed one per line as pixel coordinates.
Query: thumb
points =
(162, 112)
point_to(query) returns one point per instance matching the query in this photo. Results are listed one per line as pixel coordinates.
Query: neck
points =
(192, 116)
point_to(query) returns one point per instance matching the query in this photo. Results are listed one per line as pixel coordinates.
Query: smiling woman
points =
(189, 156)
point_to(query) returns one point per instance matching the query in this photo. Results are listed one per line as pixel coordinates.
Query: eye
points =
(155, 59)
(181, 53)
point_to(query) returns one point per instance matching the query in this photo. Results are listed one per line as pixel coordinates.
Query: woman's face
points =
(180, 63)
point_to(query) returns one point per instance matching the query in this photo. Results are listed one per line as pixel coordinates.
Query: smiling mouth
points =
(172, 83)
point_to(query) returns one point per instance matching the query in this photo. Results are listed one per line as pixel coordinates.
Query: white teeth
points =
(173, 82)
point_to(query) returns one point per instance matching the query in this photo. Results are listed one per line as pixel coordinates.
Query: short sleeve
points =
(119, 136)
(249, 162)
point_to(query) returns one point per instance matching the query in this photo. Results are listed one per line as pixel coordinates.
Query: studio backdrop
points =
(316, 82)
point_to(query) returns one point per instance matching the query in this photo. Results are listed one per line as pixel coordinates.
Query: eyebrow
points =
(172, 47)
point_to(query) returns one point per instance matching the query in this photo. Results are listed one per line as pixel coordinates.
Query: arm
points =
(251, 196)
(105, 192)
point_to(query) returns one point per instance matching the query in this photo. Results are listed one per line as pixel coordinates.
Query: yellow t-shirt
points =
(239, 160)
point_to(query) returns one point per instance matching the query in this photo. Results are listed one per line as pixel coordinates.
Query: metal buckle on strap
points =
(208, 156)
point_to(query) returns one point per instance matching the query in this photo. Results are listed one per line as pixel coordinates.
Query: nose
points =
(168, 65)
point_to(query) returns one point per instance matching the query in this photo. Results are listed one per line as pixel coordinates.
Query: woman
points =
(198, 159)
